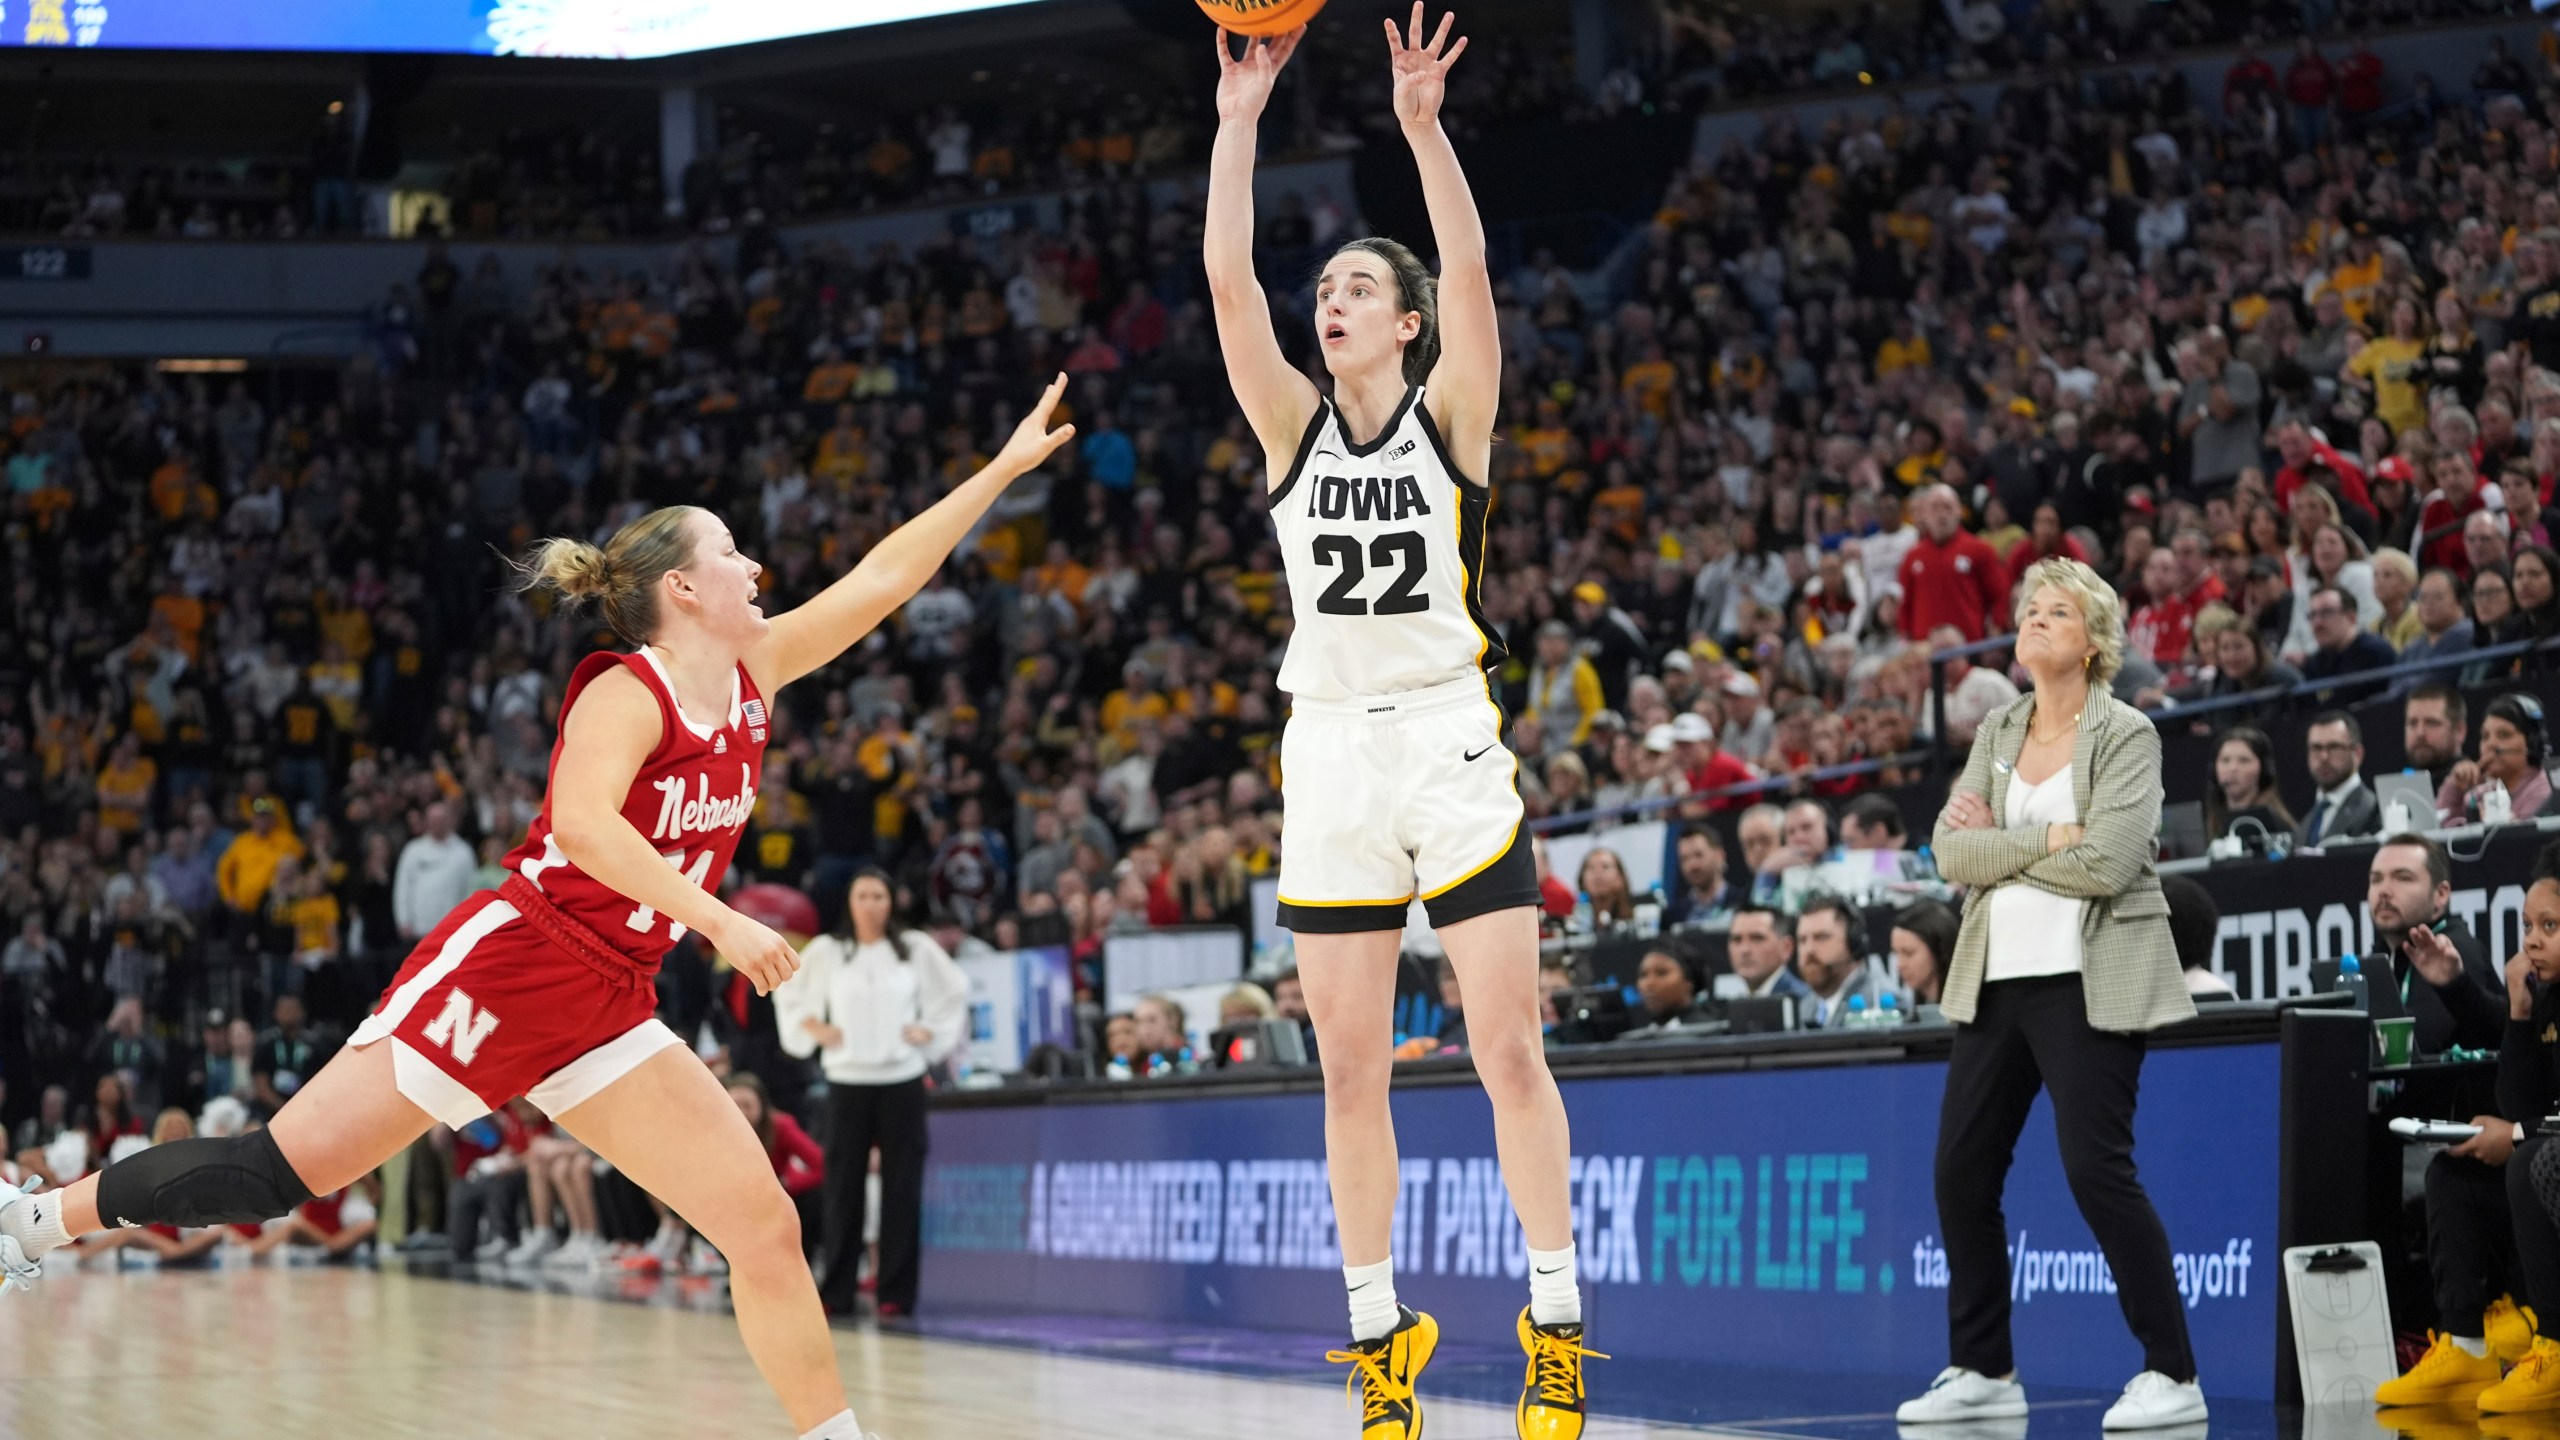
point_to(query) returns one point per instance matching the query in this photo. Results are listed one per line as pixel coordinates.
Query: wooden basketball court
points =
(271, 1353)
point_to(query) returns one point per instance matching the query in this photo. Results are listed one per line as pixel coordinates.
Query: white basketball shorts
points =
(1390, 797)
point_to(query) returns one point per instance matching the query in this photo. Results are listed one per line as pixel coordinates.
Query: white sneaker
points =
(579, 1254)
(668, 1245)
(15, 1268)
(1961, 1394)
(492, 1251)
(2152, 1401)
(536, 1247)
(707, 1261)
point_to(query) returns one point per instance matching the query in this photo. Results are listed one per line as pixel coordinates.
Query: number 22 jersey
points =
(1384, 546)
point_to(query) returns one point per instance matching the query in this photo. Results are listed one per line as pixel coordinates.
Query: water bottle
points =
(1858, 1019)
(1578, 925)
(1888, 1010)
(2396, 818)
(2351, 982)
(2497, 807)
(1648, 916)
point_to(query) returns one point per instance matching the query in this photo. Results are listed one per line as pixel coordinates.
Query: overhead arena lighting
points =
(580, 29)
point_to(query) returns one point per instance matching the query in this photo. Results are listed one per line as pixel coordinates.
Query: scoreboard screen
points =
(584, 29)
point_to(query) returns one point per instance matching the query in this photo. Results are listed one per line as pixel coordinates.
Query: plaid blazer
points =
(2129, 966)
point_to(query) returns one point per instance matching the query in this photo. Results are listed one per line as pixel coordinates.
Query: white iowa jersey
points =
(1384, 548)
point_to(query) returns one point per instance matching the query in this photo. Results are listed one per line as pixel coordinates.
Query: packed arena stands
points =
(2281, 358)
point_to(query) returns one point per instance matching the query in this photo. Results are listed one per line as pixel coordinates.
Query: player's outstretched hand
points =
(1421, 66)
(1244, 84)
(757, 951)
(1032, 440)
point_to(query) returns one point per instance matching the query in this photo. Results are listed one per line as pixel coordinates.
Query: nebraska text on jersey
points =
(703, 812)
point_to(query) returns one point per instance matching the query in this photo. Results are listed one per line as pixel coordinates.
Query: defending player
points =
(1394, 776)
(542, 988)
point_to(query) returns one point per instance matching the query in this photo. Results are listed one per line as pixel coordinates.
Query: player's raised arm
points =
(1466, 383)
(1277, 400)
(801, 640)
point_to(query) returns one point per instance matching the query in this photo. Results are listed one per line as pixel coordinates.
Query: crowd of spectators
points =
(267, 707)
(603, 180)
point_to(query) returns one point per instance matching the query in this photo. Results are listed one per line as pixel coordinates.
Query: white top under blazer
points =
(2034, 931)
(1383, 545)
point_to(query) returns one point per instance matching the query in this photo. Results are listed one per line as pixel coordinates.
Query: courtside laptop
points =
(2409, 788)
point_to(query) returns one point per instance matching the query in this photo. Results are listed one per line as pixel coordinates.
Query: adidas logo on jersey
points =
(1365, 497)
(719, 744)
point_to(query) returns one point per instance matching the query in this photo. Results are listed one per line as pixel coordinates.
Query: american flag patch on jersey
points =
(754, 713)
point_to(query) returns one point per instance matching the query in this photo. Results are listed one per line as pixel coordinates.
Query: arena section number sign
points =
(44, 262)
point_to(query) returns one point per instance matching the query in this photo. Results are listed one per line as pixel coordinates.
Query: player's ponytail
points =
(621, 579)
(1416, 291)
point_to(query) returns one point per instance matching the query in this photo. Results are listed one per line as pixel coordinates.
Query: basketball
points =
(1260, 17)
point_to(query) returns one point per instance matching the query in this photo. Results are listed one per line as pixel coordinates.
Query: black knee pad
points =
(240, 1180)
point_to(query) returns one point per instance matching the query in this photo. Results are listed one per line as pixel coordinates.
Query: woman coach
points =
(2063, 964)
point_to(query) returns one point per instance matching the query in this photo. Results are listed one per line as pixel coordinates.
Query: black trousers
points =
(860, 1117)
(493, 1199)
(2529, 1204)
(2471, 1247)
(2028, 1035)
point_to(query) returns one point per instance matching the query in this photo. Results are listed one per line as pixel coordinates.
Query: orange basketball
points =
(1261, 17)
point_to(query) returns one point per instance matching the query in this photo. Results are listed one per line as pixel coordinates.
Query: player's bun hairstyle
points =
(1416, 291)
(620, 580)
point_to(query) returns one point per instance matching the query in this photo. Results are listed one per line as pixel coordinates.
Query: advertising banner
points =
(2278, 918)
(1776, 1219)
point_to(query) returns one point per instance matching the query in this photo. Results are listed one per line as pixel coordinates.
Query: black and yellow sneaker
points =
(1551, 1394)
(1383, 1372)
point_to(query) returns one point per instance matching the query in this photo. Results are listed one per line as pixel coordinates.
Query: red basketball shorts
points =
(489, 1007)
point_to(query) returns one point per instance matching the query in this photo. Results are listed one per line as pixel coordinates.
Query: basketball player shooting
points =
(1394, 779)
(543, 987)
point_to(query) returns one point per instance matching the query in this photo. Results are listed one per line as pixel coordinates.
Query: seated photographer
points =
(2514, 747)
(1759, 947)
(1603, 881)
(2464, 1249)
(2195, 927)
(1831, 959)
(1705, 890)
(1246, 1004)
(1669, 989)
(1924, 938)
(1873, 822)
(2451, 989)
(2244, 788)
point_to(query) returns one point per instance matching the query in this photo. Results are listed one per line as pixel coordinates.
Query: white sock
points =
(1554, 1297)
(36, 1224)
(2471, 1345)
(1373, 1298)
(839, 1426)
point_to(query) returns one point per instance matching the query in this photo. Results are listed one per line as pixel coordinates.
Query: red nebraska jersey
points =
(691, 800)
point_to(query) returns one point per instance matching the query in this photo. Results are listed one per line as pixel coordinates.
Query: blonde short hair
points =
(2101, 613)
(2397, 562)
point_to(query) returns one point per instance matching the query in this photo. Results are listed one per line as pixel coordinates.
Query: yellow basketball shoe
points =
(2445, 1373)
(2533, 1385)
(1382, 1375)
(2509, 1329)
(1551, 1393)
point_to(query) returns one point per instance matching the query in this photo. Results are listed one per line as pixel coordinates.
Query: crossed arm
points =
(2117, 835)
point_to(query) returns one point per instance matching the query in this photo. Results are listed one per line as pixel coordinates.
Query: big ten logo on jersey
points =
(699, 812)
(461, 1026)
